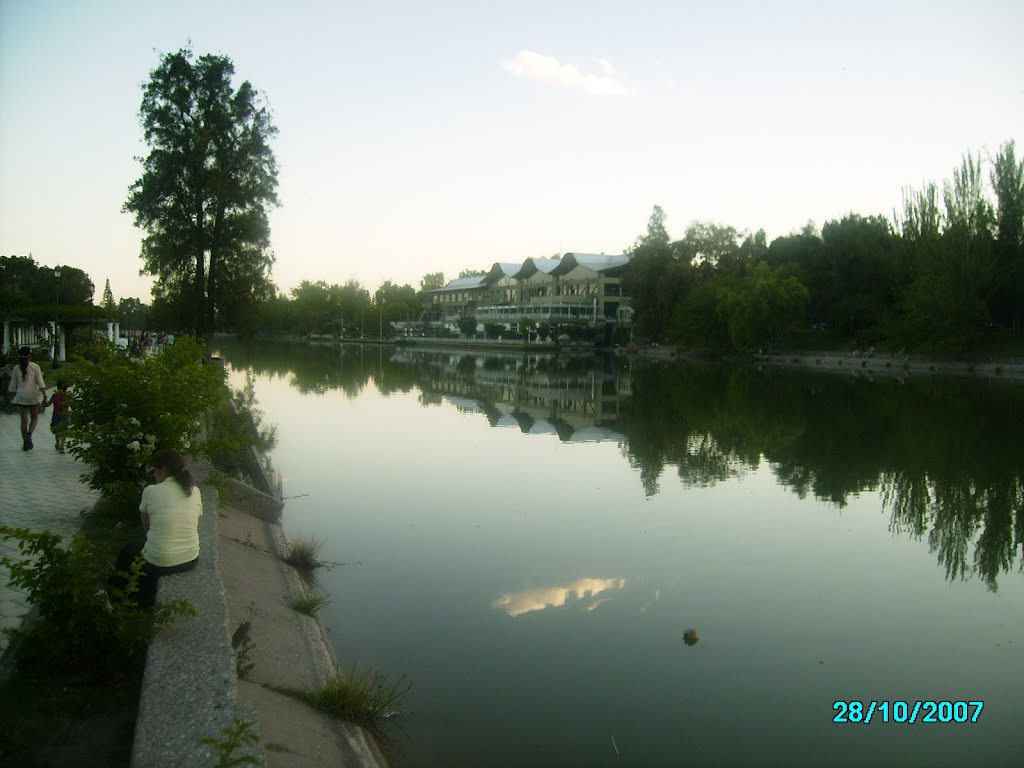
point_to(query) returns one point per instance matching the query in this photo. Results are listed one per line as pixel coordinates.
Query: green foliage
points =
(25, 283)
(954, 262)
(84, 622)
(645, 281)
(262, 436)
(108, 298)
(205, 190)
(134, 315)
(321, 308)
(762, 308)
(359, 697)
(432, 281)
(467, 325)
(1008, 183)
(124, 409)
(394, 303)
(234, 740)
(309, 604)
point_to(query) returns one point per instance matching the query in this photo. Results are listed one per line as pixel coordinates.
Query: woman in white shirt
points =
(170, 511)
(28, 388)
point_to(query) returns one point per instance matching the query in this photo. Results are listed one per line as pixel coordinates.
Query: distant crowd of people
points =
(146, 344)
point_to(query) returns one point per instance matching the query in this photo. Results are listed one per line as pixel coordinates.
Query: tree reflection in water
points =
(940, 452)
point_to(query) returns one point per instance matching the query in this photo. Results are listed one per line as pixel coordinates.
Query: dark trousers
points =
(146, 595)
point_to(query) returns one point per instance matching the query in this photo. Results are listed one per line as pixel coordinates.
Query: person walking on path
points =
(29, 390)
(6, 374)
(170, 516)
(59, 417)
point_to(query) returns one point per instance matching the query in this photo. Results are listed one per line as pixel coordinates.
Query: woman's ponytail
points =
(173, 464)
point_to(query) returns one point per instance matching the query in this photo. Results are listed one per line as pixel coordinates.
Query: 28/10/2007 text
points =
(863, 713)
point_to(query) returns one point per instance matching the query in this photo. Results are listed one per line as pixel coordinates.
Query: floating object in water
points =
(691, 636)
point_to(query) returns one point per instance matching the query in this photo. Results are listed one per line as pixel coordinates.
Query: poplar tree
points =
(206, 187)
(1007, 178)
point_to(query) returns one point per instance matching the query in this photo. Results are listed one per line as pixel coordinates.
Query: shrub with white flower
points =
(124, 410)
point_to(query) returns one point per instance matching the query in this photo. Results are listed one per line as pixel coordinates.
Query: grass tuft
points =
(304, 554)
(364, 698)
(309, 604)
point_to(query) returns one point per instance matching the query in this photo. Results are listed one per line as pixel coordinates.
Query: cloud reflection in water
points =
(540, 598)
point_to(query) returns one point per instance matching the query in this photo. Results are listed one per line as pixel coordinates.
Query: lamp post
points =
(56, 325)
(381, 321)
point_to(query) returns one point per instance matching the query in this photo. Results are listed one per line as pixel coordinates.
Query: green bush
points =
(123, 409)
(84, 623)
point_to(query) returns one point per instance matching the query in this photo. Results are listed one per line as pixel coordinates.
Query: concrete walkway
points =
(41, 490)
(241, 577)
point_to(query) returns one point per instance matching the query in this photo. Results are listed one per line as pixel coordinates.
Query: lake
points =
(529, 538)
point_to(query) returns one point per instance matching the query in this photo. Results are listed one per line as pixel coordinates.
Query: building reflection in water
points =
(541, 598)
(532, 394)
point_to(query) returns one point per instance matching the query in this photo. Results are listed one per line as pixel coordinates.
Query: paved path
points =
(41, 490)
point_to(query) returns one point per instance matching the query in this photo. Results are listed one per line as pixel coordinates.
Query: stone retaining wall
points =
(189, 689)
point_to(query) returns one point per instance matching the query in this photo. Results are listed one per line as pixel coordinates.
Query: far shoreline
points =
(854, 363)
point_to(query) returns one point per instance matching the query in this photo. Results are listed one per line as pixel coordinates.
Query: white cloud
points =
(607, 68)
(547, 69)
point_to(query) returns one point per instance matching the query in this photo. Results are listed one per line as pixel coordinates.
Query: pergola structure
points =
(20, 331)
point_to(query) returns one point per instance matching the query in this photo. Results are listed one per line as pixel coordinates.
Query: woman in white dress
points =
(29, 389)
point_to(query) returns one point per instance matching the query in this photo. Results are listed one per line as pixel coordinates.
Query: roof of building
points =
(462, 284)
(547, 266)
(520, 271)
(503, 269)
(593, 261)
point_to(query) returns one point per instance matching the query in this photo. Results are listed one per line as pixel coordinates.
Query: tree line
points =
(946, 270)
(25, 283)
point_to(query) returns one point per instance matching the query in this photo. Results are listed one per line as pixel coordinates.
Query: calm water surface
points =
(528, 539)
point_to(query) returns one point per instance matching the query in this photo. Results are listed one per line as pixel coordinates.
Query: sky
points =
(421, 137)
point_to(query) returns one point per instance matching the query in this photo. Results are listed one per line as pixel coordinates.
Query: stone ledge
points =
(189, 688)
(248, 499)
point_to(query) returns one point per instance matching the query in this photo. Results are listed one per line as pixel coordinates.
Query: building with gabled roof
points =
(575, 288)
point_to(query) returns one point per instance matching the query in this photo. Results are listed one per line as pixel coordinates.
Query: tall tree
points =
(206, 186)
(432, 281)
(952, 260)
(715, 245)
(108, 297)
(134, 314)
(863, 275)
(1008, 182)
(651, 257)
